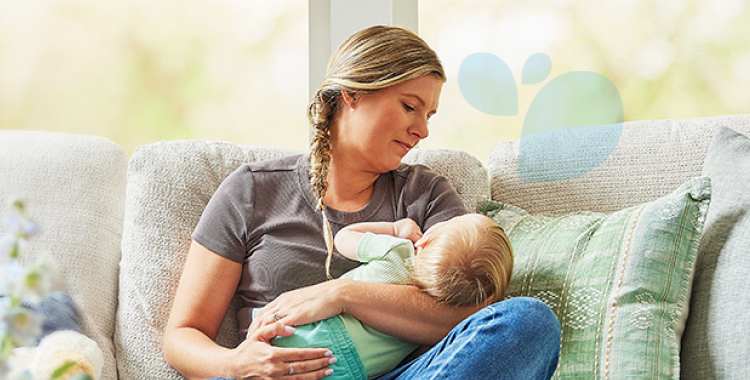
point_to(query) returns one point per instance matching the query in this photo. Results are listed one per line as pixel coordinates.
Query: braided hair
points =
(369, 60)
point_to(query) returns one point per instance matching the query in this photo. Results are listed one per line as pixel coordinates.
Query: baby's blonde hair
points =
(369, 60)
(467, 261)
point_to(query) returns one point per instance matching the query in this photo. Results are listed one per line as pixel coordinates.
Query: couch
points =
(120, 227)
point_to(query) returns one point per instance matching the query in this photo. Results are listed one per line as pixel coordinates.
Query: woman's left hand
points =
(302, 306)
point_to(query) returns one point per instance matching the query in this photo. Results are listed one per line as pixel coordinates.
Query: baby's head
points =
(467, 260)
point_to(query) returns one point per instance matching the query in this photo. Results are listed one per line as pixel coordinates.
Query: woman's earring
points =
(352, 101)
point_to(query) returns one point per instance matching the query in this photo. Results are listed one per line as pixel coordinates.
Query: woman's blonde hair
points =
(369, 60)
(467, 261)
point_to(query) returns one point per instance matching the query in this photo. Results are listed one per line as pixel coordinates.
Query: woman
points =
(268, 228)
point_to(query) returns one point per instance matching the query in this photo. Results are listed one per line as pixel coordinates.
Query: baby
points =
(466, 260)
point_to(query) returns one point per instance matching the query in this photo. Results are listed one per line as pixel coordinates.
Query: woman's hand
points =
(258, 359)
(302, 306)
(206, 288)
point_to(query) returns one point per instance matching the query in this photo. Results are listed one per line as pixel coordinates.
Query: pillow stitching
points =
(579, 253)
(623, 265)
(528, 268)
(603, 307)
(699, 225)
(547, 226)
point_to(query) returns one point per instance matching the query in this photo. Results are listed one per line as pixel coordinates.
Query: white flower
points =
(24, 325)
(35, 282)
(7, 246)
(20, 286)
(29, 228)
(13, 222)
(25, 375)
(18, 223)
(3, 325)
(11, 272)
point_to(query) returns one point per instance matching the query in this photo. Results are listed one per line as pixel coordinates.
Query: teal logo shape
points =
(487, 83)
(572, 125)
(536, 69)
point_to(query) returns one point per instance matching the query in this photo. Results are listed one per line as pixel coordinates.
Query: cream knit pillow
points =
(74, 186)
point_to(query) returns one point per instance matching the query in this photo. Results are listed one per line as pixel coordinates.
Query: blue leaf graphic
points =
(572, 126)
(487, 83)
(536, 68)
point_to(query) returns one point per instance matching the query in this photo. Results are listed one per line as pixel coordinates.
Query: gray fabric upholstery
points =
(718, 323)
(169, 185)
(651, 159)
(74, 186)
(464, 172)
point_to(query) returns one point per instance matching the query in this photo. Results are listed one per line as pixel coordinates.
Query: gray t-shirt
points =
(263, 216)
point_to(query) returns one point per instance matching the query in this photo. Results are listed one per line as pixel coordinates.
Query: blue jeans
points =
(517, 339)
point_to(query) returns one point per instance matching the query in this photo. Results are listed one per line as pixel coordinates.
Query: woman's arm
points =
(206, 288)
(191, 328)
(403, 311)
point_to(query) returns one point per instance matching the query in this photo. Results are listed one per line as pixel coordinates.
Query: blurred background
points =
(141, 71)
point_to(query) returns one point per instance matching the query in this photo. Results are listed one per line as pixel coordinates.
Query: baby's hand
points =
(407, 229)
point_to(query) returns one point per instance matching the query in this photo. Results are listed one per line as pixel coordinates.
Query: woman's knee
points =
(529, 318)
(521, 336)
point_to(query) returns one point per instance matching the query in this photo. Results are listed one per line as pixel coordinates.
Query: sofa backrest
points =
(74, 187)
(651, 159)
(169, 185)
(464, 172)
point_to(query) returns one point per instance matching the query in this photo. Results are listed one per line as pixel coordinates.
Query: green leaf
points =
(62, 369)
(6, 347)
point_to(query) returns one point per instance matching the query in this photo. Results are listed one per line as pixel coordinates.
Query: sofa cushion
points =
(169, 185)
(718, 325)
(74, 186)
(464, 172)
(619, 283)
(651, 159)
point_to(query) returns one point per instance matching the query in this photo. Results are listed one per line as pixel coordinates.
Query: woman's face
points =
(375, 130)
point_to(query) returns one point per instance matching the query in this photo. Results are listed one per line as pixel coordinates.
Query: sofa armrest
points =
(169, 185)
(464, 172)
(74, 186)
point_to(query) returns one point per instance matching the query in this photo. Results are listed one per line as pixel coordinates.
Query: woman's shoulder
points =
(426, 195)
(280, 164)
(265, 170)
(418, 180)
(411, 173)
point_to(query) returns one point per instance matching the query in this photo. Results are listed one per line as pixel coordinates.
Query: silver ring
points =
(291, 369)
(276, 317)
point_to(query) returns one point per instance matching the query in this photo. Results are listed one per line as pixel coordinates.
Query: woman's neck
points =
(349, 189)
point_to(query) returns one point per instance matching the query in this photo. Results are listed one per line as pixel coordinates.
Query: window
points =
(237, 70)
(668, 59)
(142, 71)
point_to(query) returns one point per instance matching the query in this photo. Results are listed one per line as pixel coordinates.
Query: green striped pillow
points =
(619, 283)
